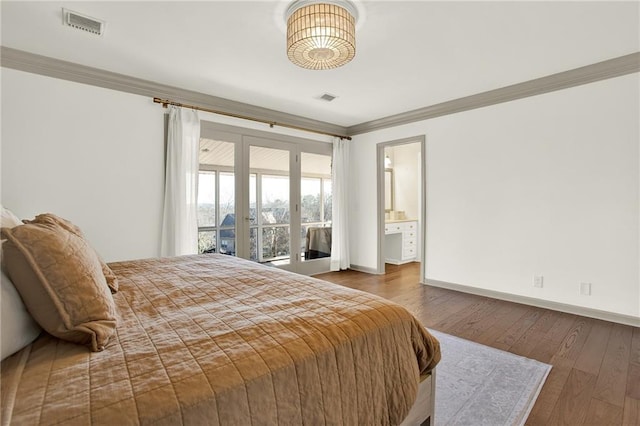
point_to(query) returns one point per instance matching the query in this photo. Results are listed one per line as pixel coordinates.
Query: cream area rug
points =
(479, 385)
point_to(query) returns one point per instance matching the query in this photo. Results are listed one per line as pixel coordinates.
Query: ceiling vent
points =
(82, 22)
(327, 97)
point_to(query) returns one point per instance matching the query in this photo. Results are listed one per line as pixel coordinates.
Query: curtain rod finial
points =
(164, 102)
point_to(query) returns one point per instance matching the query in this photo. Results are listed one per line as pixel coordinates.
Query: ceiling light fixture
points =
(321, 34)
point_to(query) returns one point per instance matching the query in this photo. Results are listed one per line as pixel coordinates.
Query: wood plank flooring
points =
(595, 379)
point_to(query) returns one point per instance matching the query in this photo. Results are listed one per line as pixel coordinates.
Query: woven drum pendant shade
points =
(321, 36)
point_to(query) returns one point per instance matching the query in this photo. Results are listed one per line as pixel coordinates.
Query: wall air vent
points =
(327, 97)
(82, 22)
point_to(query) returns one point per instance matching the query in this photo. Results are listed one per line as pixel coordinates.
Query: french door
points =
(265, 199)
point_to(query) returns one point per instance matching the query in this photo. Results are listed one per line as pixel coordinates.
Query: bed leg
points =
(423, 410)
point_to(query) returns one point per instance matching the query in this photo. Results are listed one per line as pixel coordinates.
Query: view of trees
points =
(206, 214)
(206, 241)
(275, 239)
(275, 242)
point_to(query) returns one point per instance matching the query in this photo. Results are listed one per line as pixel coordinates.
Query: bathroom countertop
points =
(399, 220)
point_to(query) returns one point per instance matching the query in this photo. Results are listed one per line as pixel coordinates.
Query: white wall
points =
(545, 185)
(92, 155)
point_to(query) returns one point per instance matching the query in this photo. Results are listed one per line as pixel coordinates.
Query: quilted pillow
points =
(112, 280)
(60, 279)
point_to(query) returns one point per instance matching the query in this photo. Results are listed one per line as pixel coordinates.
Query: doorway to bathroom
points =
(401, 203)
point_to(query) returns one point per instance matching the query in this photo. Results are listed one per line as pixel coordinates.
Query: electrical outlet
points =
(585, 289)
(538, 281)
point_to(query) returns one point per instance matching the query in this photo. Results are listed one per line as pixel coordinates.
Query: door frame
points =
(380, 169)
(243, 138)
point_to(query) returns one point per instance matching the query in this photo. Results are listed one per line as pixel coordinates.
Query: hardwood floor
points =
(595, 379)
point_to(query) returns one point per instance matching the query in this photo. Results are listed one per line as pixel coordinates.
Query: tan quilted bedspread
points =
(213, 339)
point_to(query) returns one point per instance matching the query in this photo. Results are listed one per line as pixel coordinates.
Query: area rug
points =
(479, 385)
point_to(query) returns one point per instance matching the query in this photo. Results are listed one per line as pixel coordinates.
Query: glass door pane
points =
(270, 220)
(327, 200)
(206, 212)
(227, 215)
(253, 217)
(216, 197)
(315, 206)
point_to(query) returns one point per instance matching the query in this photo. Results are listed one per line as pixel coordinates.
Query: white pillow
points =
(9, 220)
(17, 327)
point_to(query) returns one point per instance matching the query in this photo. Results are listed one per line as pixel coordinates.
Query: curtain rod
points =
(166, 102)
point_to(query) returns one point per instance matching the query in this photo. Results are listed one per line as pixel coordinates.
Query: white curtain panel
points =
(340, 208)
(180, 219)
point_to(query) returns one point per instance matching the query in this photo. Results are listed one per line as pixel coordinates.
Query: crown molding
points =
(51, 67)
(30, 62)
(611, 68)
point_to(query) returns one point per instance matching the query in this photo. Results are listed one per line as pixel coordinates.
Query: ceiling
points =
(220, 153)
(410, 54)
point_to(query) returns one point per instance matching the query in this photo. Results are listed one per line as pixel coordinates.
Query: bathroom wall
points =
(405, 161)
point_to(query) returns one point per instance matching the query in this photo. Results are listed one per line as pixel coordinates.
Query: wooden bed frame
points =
(423, 411)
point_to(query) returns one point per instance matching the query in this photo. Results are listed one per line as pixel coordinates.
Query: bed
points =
(213, 339)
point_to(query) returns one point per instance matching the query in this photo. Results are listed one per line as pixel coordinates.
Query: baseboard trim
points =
(540, 303)
(365, 269)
